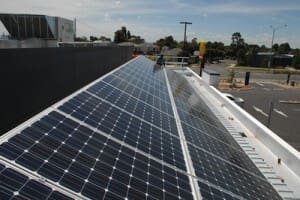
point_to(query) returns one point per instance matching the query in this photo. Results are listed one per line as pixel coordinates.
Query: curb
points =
(289, 102)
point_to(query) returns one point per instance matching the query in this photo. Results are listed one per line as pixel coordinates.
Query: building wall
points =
(277, 60)
(65, 30)
(28, 43)
(33, 79)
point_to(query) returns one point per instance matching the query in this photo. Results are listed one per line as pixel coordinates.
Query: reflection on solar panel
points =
(216, 156)
(120, 138)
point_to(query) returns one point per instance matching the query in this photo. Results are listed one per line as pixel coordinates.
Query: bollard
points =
(247, 78)
(288, 78)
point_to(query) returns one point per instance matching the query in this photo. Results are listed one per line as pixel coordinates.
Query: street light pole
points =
(274, 29)
(184, 39)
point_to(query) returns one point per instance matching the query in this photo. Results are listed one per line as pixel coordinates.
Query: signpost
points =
(202, 51)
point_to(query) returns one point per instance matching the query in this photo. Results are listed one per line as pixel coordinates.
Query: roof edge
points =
(288, 154)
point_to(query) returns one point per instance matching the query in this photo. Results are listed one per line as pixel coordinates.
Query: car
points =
(239, 101)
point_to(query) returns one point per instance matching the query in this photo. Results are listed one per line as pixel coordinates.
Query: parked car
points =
(239, 101)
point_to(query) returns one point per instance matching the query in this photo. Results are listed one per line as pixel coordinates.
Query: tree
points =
(215, 51)
(93, 38)
(193, 46)
(103, 38)
(170, 42)
(124, 32)
(239, 48)
(284, 48)
(252, 50)
(124, 35)
(121, 35)
(81, 39)
(237, 39)
(241, 55)
(263, 48)
(167, 41)
(118, 38)
(136, 39)
(275, 47)
(296, 59)
(190, 47)
(128, 34)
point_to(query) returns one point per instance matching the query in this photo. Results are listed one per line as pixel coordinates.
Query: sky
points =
(212, 20)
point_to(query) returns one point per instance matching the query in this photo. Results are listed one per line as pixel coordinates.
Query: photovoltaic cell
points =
(208, 193)
(141, 91)
(91, 164)
(118, 139)
(125, 127)
(203, 130)
(216, 156)
(229, 177)
(15, 185)
(219, 148)
(137, 107)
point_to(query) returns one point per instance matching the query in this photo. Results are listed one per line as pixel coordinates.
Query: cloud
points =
(107, 17)
(239, 8)
(79, 4)
(156, 19)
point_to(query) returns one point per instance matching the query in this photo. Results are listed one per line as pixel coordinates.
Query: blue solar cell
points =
(72, 182)
(58, 196)
(125, 127)
(51, 171)
(30, 161)
(208, 192)
(15, 185)
(10, 151)
(136, 151)
(219, 148)
(229, 177)
(106, 165)
(93, 191)
(215, 154)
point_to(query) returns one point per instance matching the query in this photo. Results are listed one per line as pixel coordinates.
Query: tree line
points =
(215, 51)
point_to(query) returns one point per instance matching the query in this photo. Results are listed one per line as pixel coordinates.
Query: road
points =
(254, 76)
(284, 117)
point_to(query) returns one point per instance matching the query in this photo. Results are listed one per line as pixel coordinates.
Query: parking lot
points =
(285, 117)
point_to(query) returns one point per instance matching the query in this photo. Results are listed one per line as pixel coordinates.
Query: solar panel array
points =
(118, 139)
(216, 156)
(15, 185)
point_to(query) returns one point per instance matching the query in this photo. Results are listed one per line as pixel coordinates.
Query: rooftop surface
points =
(147, 132)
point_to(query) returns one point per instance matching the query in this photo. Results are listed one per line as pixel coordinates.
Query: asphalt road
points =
(254, 76)
(285, 118)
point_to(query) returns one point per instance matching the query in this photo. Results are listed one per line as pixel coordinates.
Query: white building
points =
(33, 31)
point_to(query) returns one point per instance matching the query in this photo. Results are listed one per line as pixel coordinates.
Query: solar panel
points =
(216, 156)
(120, 138)
(111, 140)
(15, 185)
(90, 163)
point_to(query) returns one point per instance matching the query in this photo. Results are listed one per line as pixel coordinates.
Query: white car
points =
(239, 101)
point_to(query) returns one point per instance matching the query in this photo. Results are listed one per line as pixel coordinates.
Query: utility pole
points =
(184, 40)
(274, 29)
